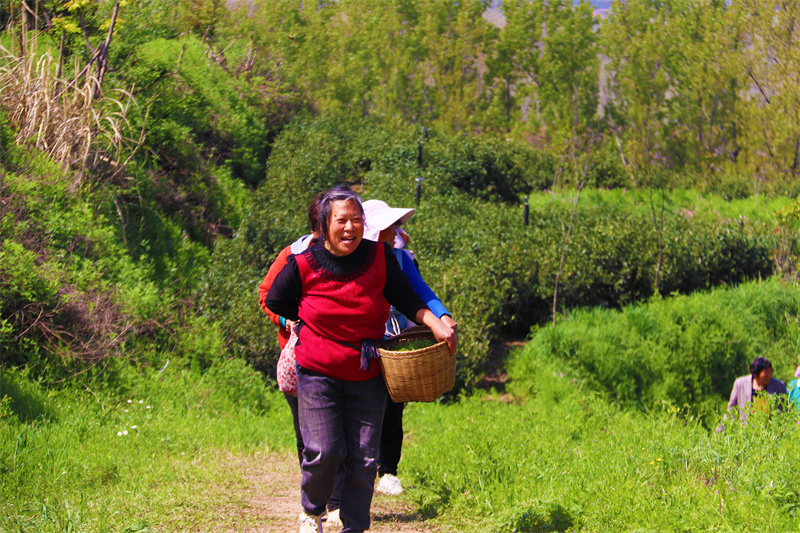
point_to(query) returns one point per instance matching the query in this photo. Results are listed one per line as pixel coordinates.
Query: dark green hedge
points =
(496, 275)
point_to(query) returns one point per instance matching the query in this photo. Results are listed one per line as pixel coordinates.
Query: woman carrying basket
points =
(383, 225)
(340, 289)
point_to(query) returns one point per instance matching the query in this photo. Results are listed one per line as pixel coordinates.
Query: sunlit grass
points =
(692, 204)
(66, 115)
(98, 461)
(566, 460)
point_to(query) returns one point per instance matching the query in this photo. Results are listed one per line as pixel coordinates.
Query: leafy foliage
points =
(496, 275)
(686, 350)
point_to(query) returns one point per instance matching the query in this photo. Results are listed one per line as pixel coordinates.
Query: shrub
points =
(687, 350)
(483, 168)
(71, 298)
(201, 110)
(496, 275)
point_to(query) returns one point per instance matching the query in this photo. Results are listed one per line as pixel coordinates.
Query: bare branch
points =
(85, 33)
(750, 73)
(103, 62)
(585, 163)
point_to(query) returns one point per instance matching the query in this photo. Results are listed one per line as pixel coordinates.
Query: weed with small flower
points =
(140, 455)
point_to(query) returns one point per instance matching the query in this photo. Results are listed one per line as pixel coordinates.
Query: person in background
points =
(300, 245)
(340, 288)
(755, 388)
(383, 225)
(284, 329)
(794, 390)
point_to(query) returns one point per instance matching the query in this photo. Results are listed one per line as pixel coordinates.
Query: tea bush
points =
(687, 350)
(496, 275)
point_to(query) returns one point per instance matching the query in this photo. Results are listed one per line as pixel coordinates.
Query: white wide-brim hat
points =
(378, 216)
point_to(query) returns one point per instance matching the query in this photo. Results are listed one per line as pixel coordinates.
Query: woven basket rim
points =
(411, 336)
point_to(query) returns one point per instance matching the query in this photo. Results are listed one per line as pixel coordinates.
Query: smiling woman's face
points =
(346, 228)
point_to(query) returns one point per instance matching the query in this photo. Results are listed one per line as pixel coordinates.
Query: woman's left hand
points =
(441, 330)
(447, 319)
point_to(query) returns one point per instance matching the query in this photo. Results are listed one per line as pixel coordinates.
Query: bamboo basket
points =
(417, 375)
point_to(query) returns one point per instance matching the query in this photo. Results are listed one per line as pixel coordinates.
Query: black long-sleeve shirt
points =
(342, 303)
(284, 296)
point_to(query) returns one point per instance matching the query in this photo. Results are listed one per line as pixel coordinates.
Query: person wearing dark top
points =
(340, 289)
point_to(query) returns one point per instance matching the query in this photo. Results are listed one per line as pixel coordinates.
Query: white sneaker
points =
(389, 484)
(310, 524)
(333, 518)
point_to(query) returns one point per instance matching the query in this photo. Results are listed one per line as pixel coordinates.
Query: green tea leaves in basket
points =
(410, 345)
(416, 368)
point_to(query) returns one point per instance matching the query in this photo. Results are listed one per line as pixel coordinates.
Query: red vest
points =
(338, 314)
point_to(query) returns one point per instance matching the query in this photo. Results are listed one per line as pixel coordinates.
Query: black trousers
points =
(292, 401)
(333, 502)
(391, 438)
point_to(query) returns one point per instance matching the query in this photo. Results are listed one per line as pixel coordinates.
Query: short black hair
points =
(338, 193)
(759, 364)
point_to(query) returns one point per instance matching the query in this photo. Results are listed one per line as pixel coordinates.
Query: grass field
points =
(99, 460)
(552, 451)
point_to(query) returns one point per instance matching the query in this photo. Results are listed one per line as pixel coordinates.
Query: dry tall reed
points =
(91, 135)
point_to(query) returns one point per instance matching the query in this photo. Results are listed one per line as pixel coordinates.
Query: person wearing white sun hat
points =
(382, 224)
(378, 216)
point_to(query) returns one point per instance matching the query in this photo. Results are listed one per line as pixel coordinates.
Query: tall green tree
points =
(456, 38)
(514, 68)
(708, 93)
(644, 62)
(771, 62)
(569, 67)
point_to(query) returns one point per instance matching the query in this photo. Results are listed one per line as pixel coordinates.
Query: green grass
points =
(754, 209)
(149, 458)
(564, 459)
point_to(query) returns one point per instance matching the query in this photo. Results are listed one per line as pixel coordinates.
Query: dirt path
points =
(272, 499)
(268, 498)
